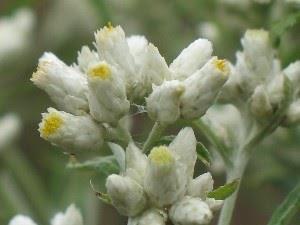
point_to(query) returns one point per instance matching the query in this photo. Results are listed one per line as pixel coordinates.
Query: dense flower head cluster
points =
(159, 187)
(96, 92)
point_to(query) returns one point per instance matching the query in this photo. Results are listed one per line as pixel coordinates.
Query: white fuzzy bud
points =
(293, 73)
(136, 162)
(113, 47)
(293, 114)
(10, 126)
(153, 70)
(202, 88)
(107, 94)
(149, 217)
(66, 86)
(190, 211)
(276, 89)
(72, 216)
(21, 220)
(86, 57)
(258, 51)
(165, 178)
(184, 145)
(127, 195)
(260, 104)
(164, 102)
(191, 59)
(200, 186)
(70, 132)
(214, 204)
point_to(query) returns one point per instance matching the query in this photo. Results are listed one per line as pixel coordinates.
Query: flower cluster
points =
(96, 93)
(72, 216)
(159, 187)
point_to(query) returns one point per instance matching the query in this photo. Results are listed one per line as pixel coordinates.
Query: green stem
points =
(28, 180)
(154, 135)
(233, 173)
(213, 139)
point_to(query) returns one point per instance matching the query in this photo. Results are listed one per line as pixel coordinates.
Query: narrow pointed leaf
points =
(203, 154)
(288, 208)
(225, 191)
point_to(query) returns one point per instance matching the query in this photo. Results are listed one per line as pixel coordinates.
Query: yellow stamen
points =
(221, 65)
(51, 123)
(100, 71)
(161, 155)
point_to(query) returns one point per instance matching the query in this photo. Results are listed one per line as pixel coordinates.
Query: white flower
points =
(161, 181)
(138, 60)
(72, 216)
(15, 33)
(126, 194)
(71, 132)
(66, 86)
(21, 220)
(163, 104)
(293, 73)
(85, 58)
(293, 113)
(10, 126)
(107, 94)
(190, 211)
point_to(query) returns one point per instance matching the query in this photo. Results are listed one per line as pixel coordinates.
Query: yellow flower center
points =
(161, 155)
(222, 65)
(100, 71)
(51, 123)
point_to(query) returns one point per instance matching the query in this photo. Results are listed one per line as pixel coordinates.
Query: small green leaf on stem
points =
(225, 191)
(105, 165)
(287, 209)
(203, 154)
(102, 196)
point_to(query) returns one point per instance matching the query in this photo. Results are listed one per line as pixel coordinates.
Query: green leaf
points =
(105, 165)
(287, 209)
(279, 28)
(225, 191)
(102, 196)
(203, 154)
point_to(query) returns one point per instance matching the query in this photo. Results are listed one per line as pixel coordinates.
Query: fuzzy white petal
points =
(21, 220)
(72, 216)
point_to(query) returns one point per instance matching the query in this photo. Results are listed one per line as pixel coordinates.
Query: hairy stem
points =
(154, 135)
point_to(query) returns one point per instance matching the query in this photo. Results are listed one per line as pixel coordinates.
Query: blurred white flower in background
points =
(72, 216)
(16, 33)
(209, 30)
(10, 126)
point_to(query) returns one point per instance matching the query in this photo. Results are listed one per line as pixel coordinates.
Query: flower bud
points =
(260, 104)
(293, 114)
(86, 57)
(191, 59)
(163, 103)
(258, 51)
(214, 204)
(136, 161)
(200, 186)
(149, 217)
(165, 178)
(202, 88)
(293, 73)
(107, 94)
(184, 145)
(113, 47)
(65, 85)
(190, 211)
(127, 195)
(276, 89)
(21, 220)
(72, 216)
(69, 131)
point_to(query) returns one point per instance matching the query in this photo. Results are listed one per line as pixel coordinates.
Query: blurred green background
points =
(33, 175)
